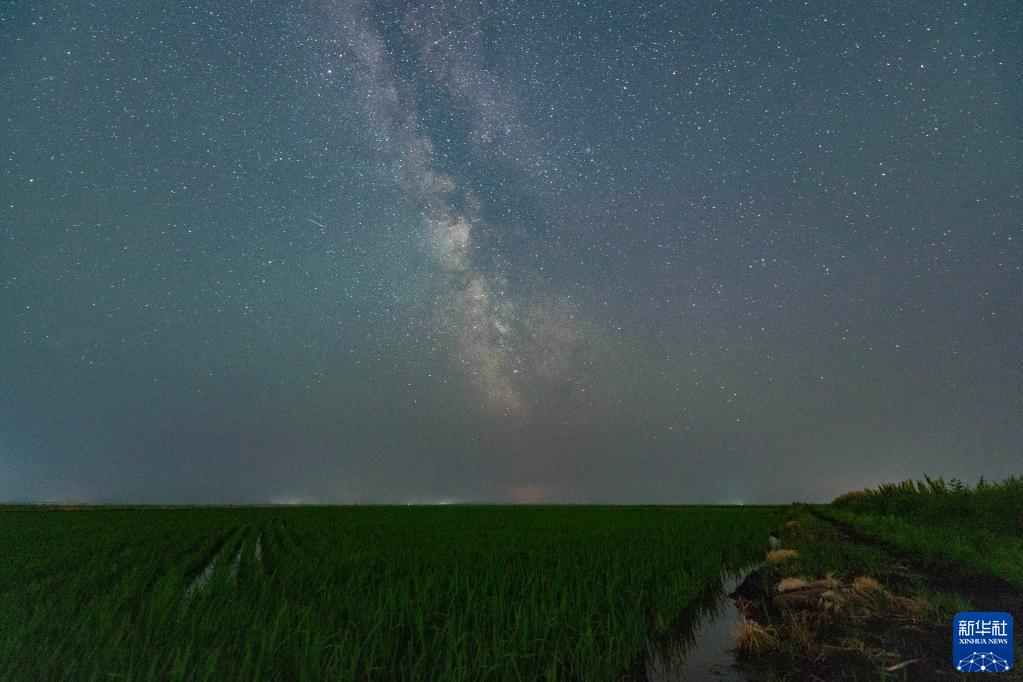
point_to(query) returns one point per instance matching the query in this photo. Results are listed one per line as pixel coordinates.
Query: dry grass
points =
(790, 584)
(914, 607)
(752, 638)
(832, 601)
(865, 598)
(829, 581)
(780, 556)
(868, 586)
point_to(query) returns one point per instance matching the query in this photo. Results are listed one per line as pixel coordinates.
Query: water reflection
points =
(698, 645)
(200, 581)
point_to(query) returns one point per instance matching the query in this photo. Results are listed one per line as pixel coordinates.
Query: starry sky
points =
(338, 251)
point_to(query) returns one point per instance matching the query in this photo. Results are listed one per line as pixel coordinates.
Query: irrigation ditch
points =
(699, 644)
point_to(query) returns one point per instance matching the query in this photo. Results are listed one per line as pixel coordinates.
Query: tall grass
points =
(996, 507)
(978, 529)
(354, 593)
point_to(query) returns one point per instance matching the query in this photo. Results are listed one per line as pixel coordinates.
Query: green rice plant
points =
(355, 593)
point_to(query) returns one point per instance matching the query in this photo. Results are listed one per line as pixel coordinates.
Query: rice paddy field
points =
(319, 593)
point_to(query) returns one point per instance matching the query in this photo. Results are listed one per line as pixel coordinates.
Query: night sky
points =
(336, 251)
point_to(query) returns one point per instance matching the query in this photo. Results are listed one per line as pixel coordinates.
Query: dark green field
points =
(460, 593)
(862, 588)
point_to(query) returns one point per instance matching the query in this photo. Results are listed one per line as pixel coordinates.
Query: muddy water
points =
(698, 645)
(206, 575)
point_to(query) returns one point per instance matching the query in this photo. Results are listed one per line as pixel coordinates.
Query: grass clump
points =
(780, 556)
(790, 584)
(868, 586)
(754, 639)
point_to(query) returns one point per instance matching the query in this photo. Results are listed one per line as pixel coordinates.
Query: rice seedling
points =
(354, 593)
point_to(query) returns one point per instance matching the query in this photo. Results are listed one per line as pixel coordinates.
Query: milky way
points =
(541, 252)
(498, 335)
